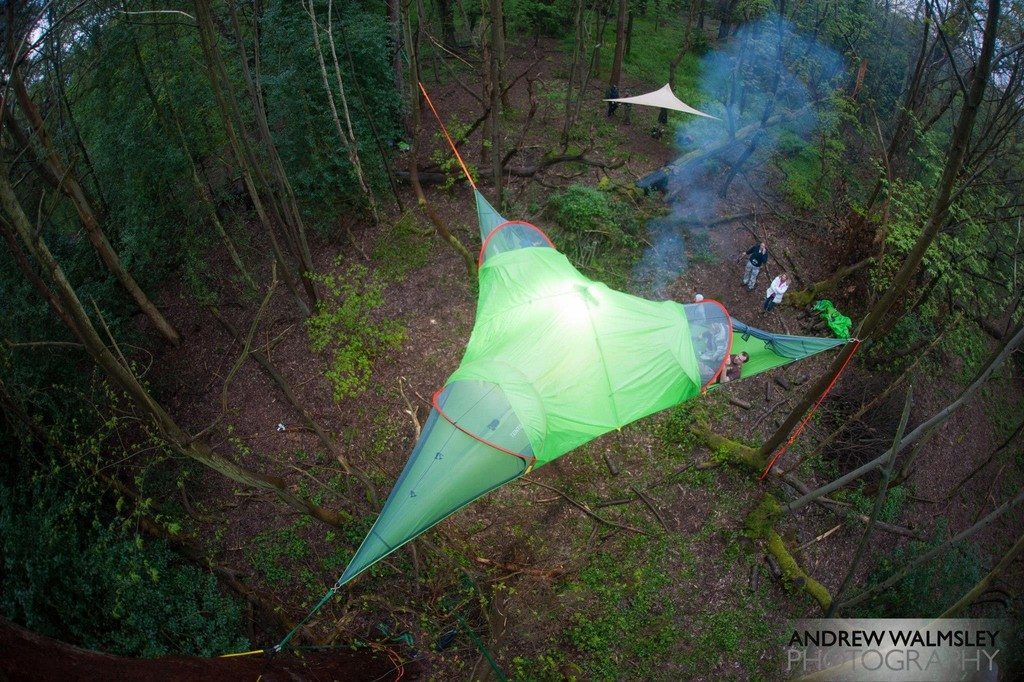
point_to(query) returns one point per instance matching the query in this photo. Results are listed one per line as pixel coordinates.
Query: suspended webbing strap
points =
(807, 417)
(320, 604)
(448, 137)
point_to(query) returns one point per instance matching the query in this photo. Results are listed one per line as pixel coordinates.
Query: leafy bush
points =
(895, 497)
(73, 574)
(538, 17)
(344, 325)
(592, 222)
(448, 162)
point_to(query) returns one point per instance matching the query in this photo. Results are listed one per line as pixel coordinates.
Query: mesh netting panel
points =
(511, 236)
(710, 333)
(448, 467)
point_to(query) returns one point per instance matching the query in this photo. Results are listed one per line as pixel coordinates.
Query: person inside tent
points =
(715, 346)
(733, 370)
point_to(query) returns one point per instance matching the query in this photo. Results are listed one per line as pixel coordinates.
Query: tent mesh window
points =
(710, 333)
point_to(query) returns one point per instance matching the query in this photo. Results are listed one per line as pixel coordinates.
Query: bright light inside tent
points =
(576, 305)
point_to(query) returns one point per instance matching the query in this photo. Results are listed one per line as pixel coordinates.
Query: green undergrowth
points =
(348, 326)
(623, 617)
(738, 634)
(597, 229)
(892, 508)
(276, 552)
(930, 588)
(74, 572)
(401, 249)
(630, 612)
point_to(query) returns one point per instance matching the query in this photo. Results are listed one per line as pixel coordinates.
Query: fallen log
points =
(515, 568)
(738, 402)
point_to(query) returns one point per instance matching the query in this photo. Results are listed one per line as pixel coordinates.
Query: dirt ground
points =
(538, 538)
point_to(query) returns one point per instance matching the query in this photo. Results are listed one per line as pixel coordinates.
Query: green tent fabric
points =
(839, 324)
(554, 361)
(768, 351)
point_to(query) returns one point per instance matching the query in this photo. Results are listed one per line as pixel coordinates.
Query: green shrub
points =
(344, 325)
(73, 574)
(592, 222)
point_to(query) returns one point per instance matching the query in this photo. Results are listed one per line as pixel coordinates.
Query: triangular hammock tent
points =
(554, 361)
(663, 98)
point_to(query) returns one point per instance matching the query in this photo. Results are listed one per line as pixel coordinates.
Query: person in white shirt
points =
(773, 296)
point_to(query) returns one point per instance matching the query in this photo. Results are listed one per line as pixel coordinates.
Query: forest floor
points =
(568, 595)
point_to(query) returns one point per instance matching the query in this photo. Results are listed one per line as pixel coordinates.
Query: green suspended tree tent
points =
(554, 361)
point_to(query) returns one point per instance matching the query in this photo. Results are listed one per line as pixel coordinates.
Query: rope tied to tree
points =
(451, 142)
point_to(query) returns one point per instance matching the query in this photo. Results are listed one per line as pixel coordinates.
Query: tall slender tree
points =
(54, 171)
(620, 43)
(958, 145)
(123, 378)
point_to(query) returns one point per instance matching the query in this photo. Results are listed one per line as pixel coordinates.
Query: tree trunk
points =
(171, 125)
(983, 584)
(629, 33)
(804, 298)
(68, 184)
(876, 510)
(282, 196)
(124, 380)
(495, 77)
(931, 554)
(573, 68)
(940, 210)
(725, 12)
(421, 198)
(345, 135)
(874, 402)
(227, 105)
(37, 283)
(370, 119)
(395, 47)
(56, 56)
(447, 16)
(620, 43)
(922, 429)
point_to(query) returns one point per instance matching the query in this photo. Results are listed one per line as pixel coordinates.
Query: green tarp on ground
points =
(554, 361)
(839, 324)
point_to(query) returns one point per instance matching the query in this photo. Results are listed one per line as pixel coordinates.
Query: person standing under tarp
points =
(613, 93)
(757, 256)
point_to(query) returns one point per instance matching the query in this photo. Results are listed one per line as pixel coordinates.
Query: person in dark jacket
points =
(613, 93)
(756, 256)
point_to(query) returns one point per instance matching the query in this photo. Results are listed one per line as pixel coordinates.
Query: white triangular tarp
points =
(663, 98)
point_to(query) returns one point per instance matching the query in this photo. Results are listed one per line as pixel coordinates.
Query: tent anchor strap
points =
(451, 142)
(807, 417)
